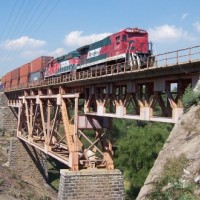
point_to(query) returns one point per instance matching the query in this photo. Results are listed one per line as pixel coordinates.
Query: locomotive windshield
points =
(135, 32)
(130, 35)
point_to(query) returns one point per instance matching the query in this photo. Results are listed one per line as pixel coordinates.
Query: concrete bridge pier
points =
(94, 184)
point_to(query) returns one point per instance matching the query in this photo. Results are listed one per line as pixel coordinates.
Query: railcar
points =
(129, 45)
(62, 64)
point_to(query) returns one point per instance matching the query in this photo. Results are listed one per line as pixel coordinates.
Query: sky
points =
(33, 28)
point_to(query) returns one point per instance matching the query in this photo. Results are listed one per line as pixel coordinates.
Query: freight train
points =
(130, 45)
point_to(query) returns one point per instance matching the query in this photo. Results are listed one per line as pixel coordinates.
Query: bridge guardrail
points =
(181, 56)
(177, 57)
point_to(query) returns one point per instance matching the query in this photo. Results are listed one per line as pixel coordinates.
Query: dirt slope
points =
(13, 187)
(184, 139)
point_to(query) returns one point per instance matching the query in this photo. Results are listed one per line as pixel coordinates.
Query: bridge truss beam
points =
(156, 100)
(50, 122)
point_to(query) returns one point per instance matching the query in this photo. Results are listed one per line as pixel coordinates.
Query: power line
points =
(46, 13)
(14, 50)
(14, 24)
(32, 16)
(46, 17)
(15, 19)
(40, 15)
(33, 24)
(9, 18)
(18, 26)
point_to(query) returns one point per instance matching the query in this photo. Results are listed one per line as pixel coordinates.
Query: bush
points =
(190, 97)
(137, 148)
(170, 186)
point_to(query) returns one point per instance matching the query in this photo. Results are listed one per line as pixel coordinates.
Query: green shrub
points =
(174, 168)
(190, 97)
(169, 186)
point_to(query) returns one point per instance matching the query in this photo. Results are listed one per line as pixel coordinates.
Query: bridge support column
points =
(100, 107)
(146, 113)
(27, 161)
(120, 111)
(91, 184)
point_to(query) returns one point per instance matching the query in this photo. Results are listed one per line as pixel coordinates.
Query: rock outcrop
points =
(184, 139)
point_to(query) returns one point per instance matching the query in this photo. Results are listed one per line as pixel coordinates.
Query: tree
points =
(138, 145)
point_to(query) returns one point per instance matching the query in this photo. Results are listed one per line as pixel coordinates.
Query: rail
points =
(167, 59)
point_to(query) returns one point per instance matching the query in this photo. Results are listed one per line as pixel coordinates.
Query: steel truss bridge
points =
(53, 114)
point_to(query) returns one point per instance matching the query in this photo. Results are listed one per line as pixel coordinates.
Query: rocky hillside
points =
(176, 172)
(12, 186)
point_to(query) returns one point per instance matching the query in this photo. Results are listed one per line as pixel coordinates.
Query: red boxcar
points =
(15, 74)
(8, 84)
(25, 69)
(40, 63)
(15, 82)
(23, 79)
(8, 77)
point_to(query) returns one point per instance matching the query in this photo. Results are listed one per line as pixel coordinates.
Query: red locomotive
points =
(129, 45)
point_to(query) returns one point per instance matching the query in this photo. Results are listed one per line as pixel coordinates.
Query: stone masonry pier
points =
(28, 162)
(8, 118)
(99, 184)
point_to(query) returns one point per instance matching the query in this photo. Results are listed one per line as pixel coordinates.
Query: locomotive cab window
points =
(117, 39)
(124, 38)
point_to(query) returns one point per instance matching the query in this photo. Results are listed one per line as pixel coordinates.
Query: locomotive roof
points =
(104, 42)
(67, 56)
(83, 48)
(134, 30)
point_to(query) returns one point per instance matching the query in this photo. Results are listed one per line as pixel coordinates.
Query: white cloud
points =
(184, 16)
(197, 26)
(77, 39)
(167, 33)
(58, 52)
(22, 43)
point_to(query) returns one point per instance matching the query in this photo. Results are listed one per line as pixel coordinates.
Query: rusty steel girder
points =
(51, 124)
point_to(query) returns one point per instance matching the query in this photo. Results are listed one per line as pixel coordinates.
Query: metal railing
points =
(167, 59)
(178, 57)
